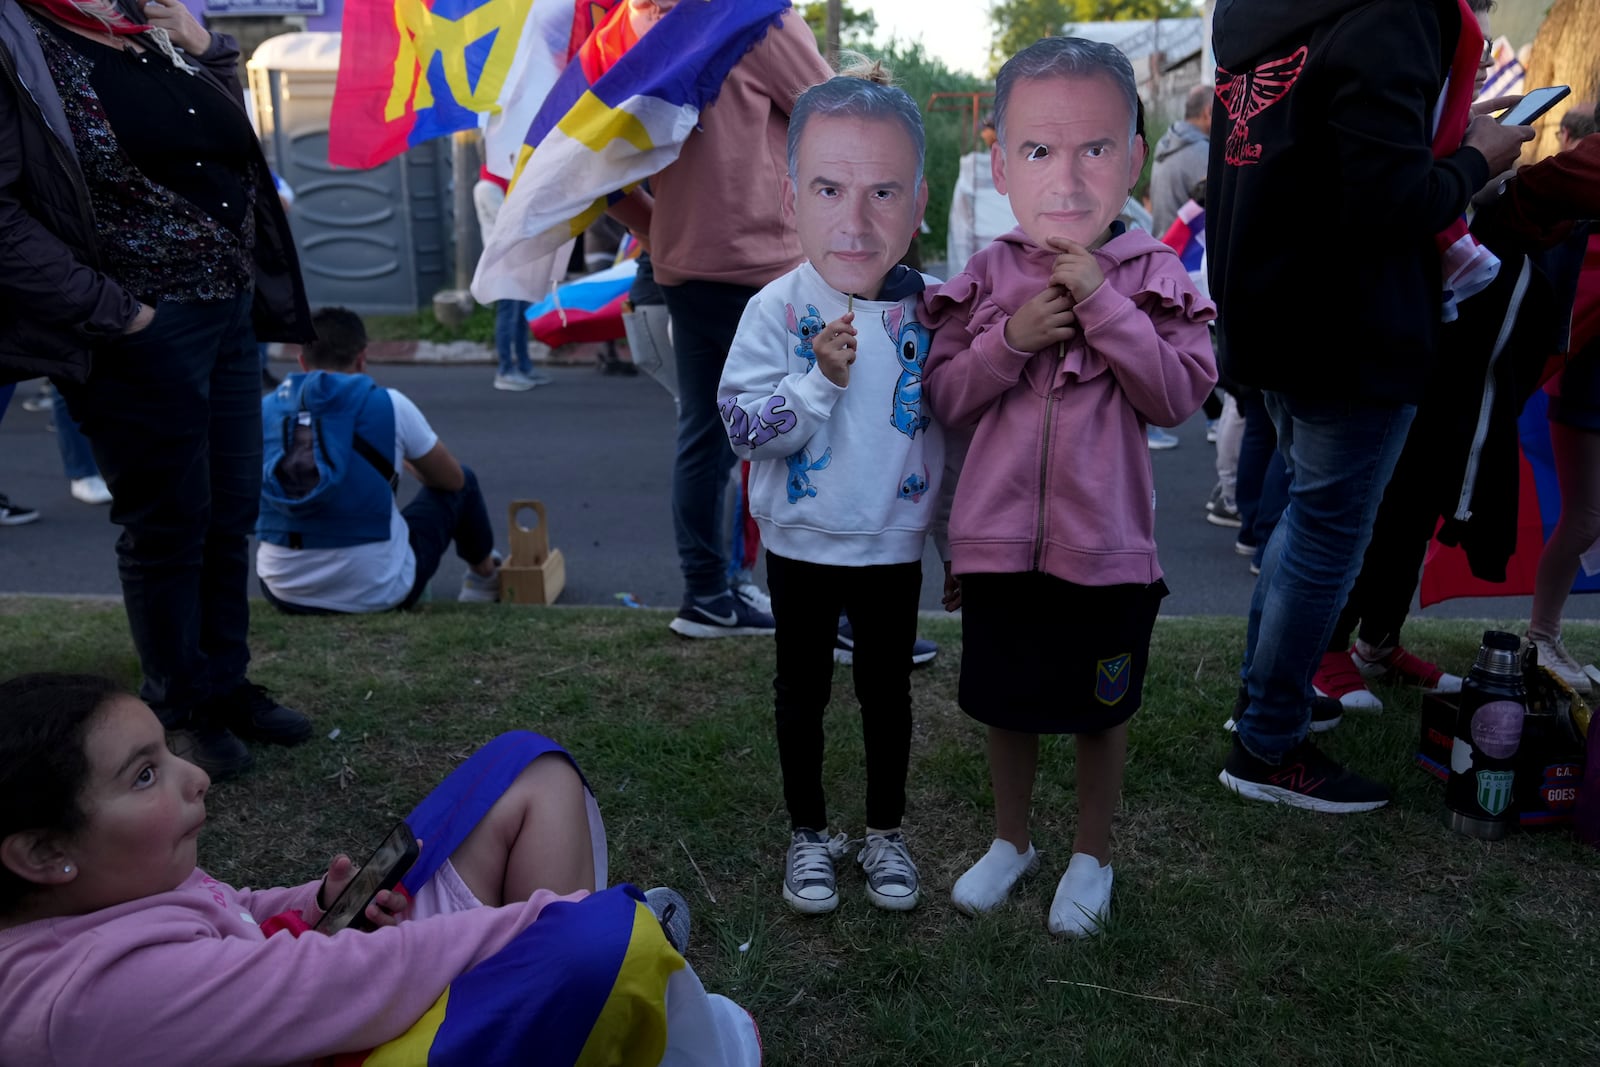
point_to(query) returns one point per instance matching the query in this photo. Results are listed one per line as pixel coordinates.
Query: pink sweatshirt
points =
(1058, 477)
(186, 977)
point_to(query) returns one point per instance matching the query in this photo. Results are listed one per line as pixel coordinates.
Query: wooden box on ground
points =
(535, 573)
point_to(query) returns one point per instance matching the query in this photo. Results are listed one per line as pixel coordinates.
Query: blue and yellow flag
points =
(614, 118)
(591, 983)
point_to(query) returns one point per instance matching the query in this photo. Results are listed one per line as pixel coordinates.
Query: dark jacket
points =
(56, 307)
(1323, 197)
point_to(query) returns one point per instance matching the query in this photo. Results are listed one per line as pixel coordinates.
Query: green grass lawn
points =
(1242, 933)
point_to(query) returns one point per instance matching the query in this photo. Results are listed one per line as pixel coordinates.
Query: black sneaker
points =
(214, 749)
(15, 514)
(1326, 712)
(726, 615)
(1305, 779)
(250, 711)
(844, 646)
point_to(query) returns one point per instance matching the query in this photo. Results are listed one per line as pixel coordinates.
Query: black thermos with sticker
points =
(1478, 799)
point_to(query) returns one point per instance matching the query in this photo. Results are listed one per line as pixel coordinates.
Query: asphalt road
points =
(598, 451)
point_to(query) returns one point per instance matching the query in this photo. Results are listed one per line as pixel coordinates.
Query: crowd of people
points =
(878, 406)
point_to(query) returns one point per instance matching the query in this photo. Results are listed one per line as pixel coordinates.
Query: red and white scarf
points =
(108, 18)
(1469, 268)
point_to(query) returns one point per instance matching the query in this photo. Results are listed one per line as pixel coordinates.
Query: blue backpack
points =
(324, 483)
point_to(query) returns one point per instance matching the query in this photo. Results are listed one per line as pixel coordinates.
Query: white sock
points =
(987, 883)
(1083, 898)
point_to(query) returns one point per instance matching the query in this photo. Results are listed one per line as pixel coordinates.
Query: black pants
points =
(174, 416)
(881, 602)
(705, 316)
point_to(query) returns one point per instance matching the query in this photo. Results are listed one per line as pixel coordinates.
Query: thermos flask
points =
(1478, 798)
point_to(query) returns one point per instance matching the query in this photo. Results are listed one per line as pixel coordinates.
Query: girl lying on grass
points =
(116, 948)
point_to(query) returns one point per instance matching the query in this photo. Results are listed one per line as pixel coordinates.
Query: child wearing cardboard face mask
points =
(823, 392)
(1060, 343)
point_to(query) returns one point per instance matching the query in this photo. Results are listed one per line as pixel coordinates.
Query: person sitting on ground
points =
(333, 537)
(116, 948)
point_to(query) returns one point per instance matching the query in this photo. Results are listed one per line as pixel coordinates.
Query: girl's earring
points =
(67, 869)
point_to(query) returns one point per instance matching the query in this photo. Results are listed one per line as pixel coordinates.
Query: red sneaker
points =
(1399, 666)
(1338, 678)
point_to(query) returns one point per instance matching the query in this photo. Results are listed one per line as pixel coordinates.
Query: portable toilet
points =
(377, 241)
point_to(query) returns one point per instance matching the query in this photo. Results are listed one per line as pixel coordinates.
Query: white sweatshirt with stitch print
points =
(844, 476)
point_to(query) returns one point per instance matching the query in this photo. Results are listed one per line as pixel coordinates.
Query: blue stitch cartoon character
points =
(914, 486)
(806, 329)
(800, 468)
(911, 341)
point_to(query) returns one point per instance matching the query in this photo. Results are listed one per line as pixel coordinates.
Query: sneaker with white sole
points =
(1396, 665)
(1219, 512)
(515, 382)
(1563, 664)
(751, 594)
(672, 912)
(724, 615)
(91, 490)
(1082, 905)
(891, 876)
(1338, 677)
(1159, 440)
(476, 589)
(844, 646)
(809, 883)
(15, 514)
(1304, 778)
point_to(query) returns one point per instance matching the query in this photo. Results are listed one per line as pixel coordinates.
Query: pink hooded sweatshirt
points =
(1058, 477)
(186, 977)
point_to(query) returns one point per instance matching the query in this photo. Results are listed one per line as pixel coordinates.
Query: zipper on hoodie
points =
(59, 153)
(1044, 470)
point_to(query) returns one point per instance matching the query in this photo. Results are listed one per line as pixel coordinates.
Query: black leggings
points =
(881, 602)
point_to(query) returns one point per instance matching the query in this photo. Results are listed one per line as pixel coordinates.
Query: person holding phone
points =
(1357, 113)
(116, 948)
(1544, 206)
(143, 252)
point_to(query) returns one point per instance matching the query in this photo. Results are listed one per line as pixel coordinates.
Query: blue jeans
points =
(511, 335)
(173, 413)
(705, 316)
(77, 458)
(1339, 457)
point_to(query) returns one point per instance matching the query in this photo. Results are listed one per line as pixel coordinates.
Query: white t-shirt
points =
(357, 578)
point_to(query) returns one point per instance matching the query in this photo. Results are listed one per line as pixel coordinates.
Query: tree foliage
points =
(855, 27)
(1019, 23)
(921, 75)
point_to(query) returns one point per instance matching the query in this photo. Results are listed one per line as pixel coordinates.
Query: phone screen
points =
(1533, 105)
(383, 870)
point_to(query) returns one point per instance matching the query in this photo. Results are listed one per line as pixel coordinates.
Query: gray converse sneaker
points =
(891, 876)
(672, 912)
(810, 886)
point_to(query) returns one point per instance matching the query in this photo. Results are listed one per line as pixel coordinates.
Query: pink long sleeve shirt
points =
(186, 977)
(1058, 477)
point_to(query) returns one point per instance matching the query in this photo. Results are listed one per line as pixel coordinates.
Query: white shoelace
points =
(886, 859)
(812, 861)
